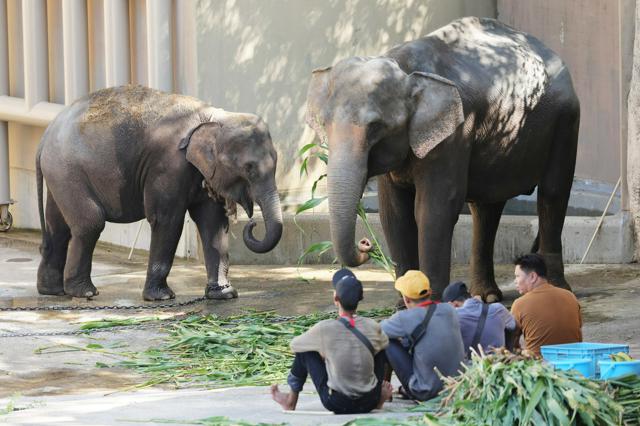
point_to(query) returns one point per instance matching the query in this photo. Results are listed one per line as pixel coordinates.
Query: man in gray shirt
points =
(344, 357)
(414, 358)
(490, 331)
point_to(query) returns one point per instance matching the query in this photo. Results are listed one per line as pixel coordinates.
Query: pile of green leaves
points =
(247, 350)
(115, 322)
(626, 392)
(508, 389)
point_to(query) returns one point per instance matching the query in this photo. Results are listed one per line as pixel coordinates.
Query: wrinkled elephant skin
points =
(475, 112)
(127, 153)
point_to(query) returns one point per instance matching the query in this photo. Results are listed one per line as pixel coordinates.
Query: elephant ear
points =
(317, 97)
(200, 144)
(438, 111)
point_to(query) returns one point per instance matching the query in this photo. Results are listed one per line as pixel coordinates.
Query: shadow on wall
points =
(257, 55)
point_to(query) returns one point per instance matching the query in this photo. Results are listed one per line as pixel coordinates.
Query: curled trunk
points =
(269, 203)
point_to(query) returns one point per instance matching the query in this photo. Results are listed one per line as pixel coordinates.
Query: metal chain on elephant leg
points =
(103, 308)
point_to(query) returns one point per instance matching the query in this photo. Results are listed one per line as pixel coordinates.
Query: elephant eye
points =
(374, 130)
(251, 170)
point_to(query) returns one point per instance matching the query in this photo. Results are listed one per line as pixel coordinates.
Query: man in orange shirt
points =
(545, 314)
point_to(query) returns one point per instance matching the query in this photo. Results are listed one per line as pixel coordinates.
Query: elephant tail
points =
(43, 226)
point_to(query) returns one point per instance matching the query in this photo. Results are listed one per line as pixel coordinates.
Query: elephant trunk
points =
(269, 203)
(346, 180)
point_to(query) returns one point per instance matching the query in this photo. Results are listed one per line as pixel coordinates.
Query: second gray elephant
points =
(477, 112)
(126, 153)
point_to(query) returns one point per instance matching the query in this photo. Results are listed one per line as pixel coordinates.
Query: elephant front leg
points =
(213, 225)
(165, 234)
(486, 218)
(398, 223)
(436, 216)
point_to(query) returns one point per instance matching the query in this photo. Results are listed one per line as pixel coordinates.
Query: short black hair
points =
(348, 308)
(456, 292)
(532, 262)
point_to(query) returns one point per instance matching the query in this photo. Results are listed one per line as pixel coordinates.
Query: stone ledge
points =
(613, 244)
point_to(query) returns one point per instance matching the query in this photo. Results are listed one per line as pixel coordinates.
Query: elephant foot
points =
(492, 296)
(49, 282)
(560, 282)
(220, 292)
(82, 289)
(50, 290)
(555, 270)
(158, 293)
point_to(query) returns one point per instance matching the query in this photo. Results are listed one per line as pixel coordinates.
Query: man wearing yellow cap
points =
(423, 337)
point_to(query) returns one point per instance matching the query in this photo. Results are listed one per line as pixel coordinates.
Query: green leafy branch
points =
(377, 255)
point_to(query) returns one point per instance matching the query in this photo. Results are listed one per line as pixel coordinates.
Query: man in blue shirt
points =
(488, 332)
(423, 337)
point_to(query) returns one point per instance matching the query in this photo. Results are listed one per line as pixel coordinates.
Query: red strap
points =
(427, 303)
(352, 321)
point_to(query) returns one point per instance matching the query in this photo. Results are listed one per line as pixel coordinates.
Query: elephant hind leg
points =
(86, 221)
(553, 196)
(55, 242)
(486, 218)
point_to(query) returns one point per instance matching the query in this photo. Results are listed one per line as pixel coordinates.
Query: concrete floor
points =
(49, 384)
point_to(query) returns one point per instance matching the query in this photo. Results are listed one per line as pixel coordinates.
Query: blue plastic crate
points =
(614, 369)
(581, 365)
(593, 351)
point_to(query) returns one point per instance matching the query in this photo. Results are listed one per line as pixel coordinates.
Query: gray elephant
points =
(122, 154)
(475, 111)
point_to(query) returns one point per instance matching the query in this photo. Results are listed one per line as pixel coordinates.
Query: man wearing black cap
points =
(480, 324)
(343, 356)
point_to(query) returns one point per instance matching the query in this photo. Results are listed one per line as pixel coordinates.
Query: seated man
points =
(480, 323)
(344, 357)
(545, 314)
(424, 336)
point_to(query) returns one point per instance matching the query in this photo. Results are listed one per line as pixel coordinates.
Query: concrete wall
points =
(52, 52)
(595, 39)
(245, 55)
(613, 244)
(257, 56)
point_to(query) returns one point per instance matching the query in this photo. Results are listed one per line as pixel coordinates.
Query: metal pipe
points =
(135, 240)
(74, 35)
(159, 55)
(116, 42)
(606, 208)
(14, 109)
(623, 110)
(34, 36)
(186, 52)
(4, 165)
(5, 187)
